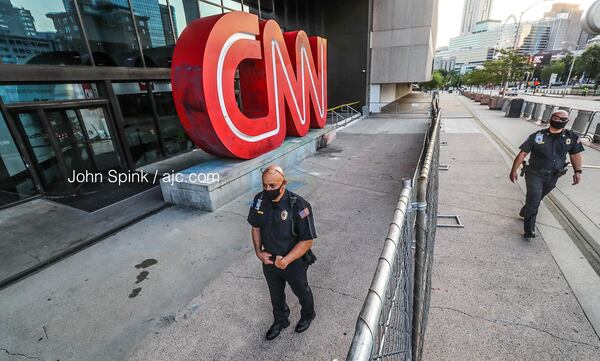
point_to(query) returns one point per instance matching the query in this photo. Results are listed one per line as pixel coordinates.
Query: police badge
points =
(284, 215)
(539, 138)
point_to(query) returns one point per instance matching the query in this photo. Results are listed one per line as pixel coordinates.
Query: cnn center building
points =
(85, 84)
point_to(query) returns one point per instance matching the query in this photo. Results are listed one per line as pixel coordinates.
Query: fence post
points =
(419, 288)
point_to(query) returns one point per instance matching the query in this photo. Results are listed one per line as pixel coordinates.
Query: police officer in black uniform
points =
(283, 231)
(548, 148)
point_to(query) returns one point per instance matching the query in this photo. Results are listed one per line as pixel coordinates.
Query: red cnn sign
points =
(283, 84)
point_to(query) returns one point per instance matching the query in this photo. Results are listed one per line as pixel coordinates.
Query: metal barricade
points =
(392, 322)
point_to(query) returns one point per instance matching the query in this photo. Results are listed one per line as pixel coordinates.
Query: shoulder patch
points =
(304, 213)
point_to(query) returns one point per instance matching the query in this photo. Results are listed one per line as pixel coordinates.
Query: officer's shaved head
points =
(560, 114)
(273, 177)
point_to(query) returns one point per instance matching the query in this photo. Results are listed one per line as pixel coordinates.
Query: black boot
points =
(303, 325)
(276, 329)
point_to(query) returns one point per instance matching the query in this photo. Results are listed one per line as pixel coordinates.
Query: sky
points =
(450, 14)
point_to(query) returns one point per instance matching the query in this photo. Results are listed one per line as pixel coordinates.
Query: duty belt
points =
(559, 172)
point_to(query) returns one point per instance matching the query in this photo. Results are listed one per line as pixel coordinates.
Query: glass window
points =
(71, 140)
(233, 4)
(47, 92)
(266, 9)
(99, 139)
(251, 6)
(15, 180)
(280, 12)
(139, 125)
(43, 153)
(183, 13)
(111, 34)
(173, 136)
(156, 34)
(41, 32)
(209, 9)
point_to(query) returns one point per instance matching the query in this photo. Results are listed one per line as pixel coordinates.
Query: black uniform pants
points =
(538, 186)
(295, 275)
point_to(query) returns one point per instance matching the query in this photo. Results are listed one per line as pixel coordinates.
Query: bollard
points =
(527, 109)
(548, 110)
(537, 111)
(580, 124)
(505, 104)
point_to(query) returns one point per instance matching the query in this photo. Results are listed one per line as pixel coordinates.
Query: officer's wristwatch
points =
(578, 171)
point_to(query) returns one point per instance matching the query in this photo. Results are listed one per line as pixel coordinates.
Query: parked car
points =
(512, 92)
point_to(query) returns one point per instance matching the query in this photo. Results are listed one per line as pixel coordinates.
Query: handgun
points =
(523, 168)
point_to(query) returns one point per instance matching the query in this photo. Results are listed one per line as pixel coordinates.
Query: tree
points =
(475, 77)
(436, 82)
(452, 78)
(557, 67)
(589, 62)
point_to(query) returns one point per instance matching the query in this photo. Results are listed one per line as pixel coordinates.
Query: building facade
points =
(474, 11)
(472, 49)
(85, 84)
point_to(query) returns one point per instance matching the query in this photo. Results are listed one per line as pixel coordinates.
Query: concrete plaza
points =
(185, 284)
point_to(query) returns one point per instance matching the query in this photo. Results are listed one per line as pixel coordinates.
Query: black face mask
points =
(557, 124)
(272, 194)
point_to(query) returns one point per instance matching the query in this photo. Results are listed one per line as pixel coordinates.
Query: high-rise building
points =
(16, 21)
(537, 39)
(472, 49)
(474, 11)
(169, 31)
(563, 19)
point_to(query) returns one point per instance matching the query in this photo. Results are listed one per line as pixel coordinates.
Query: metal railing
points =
(565, 91)
(392, 322)
(342, 114)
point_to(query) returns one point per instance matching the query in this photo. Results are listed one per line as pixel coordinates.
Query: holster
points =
(309, 257)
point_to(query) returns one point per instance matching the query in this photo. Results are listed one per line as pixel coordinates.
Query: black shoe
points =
(529, 235)
(303, 325)
(276, 329)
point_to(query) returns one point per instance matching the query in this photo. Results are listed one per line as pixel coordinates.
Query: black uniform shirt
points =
(275, 222)
(549, 151)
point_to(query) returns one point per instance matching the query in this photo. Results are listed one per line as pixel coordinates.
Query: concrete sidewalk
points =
(496, 296)
(581, 201)
(205, 298)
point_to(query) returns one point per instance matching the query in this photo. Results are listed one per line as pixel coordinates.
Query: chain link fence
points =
(392, 322)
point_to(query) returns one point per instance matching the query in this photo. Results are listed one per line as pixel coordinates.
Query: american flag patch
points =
(304, 213)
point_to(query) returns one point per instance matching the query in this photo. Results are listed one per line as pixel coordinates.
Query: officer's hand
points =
(264, 257)
(576, 178)
(280, 262)
(513, 176)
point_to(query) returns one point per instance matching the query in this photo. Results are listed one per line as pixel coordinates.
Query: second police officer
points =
(548, 148)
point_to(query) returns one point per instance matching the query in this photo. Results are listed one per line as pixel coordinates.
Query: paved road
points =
(206, 298)
(496, 296)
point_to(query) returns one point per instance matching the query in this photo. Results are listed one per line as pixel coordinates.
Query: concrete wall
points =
(383, 94)
(403, 40)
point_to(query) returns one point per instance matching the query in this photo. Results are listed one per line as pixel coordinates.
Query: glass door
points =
(65, 142)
